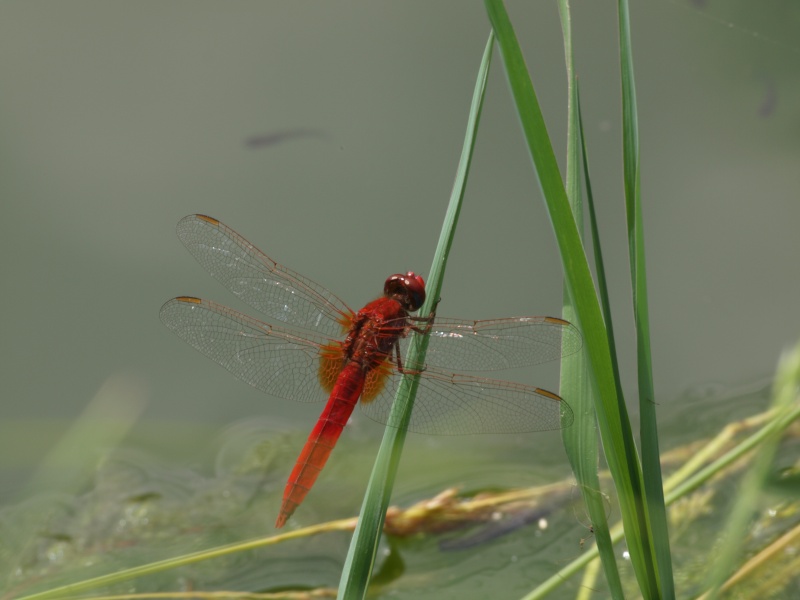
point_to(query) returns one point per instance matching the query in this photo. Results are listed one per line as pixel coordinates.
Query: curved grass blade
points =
(648, 427)
(580, 441)
(615, 429)
(364, 545)
(784, 396)
(74, 590)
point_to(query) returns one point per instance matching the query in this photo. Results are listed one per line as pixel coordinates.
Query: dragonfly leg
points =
(399, 362)
(427, 320)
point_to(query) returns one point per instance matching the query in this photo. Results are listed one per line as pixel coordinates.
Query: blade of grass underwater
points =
(75, 590)
(684, 485)
(784, 394)
(360, 560)
(615, 430)
(648, 426)
(580, 440)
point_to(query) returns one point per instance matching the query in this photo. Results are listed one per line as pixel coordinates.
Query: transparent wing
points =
(449, 404)
(269, 358)
(286, 364)
(269, 287)
(497, 344)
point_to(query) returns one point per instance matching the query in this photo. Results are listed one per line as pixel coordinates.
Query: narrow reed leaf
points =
(651, 455)
(581, 440)
(364, 545)
(784, 402)
(77, 589)
(615, 429)
(599, 517)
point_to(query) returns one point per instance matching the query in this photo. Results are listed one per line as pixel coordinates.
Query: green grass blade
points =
(364, 545)
(78, 588)
(615, 430)
(599, 521)
(651, 456)
(784, 396)
(599, 263)
(580, 440)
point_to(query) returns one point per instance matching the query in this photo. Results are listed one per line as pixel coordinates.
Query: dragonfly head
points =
(408, 289)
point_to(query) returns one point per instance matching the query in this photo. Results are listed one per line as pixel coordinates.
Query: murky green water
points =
(136, 508)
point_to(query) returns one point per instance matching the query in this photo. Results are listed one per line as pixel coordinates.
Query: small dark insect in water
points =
(278, 137)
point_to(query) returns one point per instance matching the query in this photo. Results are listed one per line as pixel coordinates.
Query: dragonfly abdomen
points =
(322, 439)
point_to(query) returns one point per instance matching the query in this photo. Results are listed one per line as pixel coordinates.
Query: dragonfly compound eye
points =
(408, 289)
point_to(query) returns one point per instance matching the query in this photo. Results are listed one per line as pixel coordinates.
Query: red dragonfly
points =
(344, 355)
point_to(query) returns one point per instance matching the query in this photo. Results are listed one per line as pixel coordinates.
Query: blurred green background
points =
(117, 119)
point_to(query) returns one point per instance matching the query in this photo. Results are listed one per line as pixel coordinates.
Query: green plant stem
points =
(615, 428)
(364, 545)
(580, 440)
